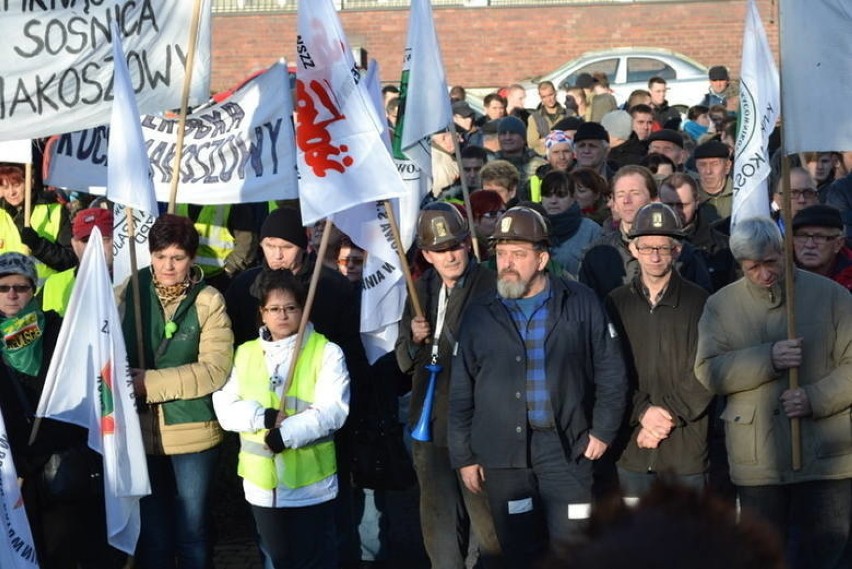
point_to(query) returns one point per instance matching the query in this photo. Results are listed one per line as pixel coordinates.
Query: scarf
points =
(22, 339)
(168, 293)
(563, 226)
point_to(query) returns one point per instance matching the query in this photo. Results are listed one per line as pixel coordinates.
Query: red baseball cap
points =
(86, 219)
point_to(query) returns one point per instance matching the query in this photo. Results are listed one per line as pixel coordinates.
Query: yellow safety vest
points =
(302, 466)
(57, 291)
(45, 219)
(215, 241)
(535, 189)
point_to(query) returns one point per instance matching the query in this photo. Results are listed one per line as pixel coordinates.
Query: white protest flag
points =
(128, 177)
(424, 100)
(759, 107)
(19, 151)
(424, 109)
(56, 71)
(88, 384)
(816, 64)
(382, 284)
(373, 84)
(238, 150)
(342, 159)
(17, 549)
(121, 242)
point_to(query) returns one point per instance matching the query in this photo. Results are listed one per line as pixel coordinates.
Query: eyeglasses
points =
(803, 193)
(290, 310)
(662, 250)
(346, 261)
(19, 288)
(493, 214)
(802, 238)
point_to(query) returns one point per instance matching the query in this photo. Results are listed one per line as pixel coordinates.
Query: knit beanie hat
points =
(513, 125)
(87, 219)
(618, 124)
(285, 223)
(18, 264)
(555, 137)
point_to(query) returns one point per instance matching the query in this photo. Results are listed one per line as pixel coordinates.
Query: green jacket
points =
(182, 371)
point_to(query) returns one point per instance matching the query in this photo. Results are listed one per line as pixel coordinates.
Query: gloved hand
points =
(270, 418)
(30, 237)
(274, 441)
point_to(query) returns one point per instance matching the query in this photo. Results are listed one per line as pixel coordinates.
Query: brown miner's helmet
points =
(656, 219)
(521, 224)
(441, 227)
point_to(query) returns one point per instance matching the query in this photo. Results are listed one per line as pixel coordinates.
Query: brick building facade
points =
(498, 45)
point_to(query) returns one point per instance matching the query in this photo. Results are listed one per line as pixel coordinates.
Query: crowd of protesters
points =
(615, 337)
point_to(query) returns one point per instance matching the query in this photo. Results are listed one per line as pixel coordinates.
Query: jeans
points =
(820, 513)
(448, 511)
(637, 484)
(297, 538)
(542, 505)
(176, 515)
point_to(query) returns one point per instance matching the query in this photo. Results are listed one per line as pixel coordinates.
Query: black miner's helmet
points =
(441, 227)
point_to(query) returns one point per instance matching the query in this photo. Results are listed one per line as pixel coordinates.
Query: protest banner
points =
(57, 61)
(17, 548)
(239, 150)
(20, 151)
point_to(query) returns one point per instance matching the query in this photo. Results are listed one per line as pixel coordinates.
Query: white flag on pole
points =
(759, 107)
(88, 384)
(341, 157)
(129, 178)
(19, 151)
(17, 549)
(816, 63)
(425, 102)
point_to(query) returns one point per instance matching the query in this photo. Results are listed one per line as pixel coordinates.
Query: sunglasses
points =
(19, 288)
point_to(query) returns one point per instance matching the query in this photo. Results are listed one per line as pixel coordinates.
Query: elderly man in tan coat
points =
(743, 354)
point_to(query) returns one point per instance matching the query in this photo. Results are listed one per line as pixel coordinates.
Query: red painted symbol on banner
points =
(312, 134)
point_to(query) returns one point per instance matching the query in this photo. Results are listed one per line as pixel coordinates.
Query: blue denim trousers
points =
(813, 519)
(176, 516)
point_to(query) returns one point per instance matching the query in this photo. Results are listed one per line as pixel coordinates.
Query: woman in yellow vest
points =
(47, 239)
(287, 461)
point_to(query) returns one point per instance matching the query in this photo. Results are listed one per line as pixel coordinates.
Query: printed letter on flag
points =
(88, 384)
(238, 150)
(57, 75)
(17, 549)
(342, 159)
(759, 108)
(816, 63)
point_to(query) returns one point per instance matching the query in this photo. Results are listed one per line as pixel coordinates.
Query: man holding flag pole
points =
(778, 342)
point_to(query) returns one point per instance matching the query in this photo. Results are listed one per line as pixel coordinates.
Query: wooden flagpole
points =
(306, 314)
(403, 261)
(465, 191)
(789, 267)
(184, 103)
(28, 193)
(134, 279)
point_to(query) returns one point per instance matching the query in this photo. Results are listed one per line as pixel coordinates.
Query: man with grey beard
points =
(538, 390)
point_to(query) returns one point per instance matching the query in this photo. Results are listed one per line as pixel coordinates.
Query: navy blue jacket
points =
(585, 373)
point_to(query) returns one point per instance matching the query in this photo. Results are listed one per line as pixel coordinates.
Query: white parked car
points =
(629, 69)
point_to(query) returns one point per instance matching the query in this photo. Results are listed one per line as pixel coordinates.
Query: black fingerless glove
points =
(274, 441)
(269, 418)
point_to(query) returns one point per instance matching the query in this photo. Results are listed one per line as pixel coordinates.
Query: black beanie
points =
(285, 223)
(820, 215)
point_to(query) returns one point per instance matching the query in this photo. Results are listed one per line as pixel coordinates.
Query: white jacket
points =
(325, 416)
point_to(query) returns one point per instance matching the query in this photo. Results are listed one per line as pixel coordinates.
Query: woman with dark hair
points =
(590, 191)
(62, 486)
(287, 460)
(186, 347)
(570, 232)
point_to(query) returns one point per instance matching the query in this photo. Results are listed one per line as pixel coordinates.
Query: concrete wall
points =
(485, 47)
